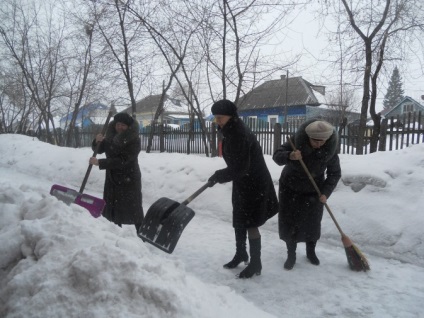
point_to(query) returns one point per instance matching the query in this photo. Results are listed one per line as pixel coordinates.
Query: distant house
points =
(92, 113)
(402, 109)
(406, 105)
(293, 97)
(175, 111)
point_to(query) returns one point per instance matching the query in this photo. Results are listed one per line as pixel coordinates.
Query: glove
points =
(220, 176)
(213, 180)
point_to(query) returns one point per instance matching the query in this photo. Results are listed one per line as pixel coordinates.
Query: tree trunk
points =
(365, 98)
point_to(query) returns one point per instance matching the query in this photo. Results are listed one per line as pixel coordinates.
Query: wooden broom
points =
(357, 261)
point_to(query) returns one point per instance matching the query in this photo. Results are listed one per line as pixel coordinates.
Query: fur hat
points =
(319, 130)
(123, 118)
(224, 107)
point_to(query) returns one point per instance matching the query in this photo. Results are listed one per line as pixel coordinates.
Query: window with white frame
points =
(252, 121)
(272, 120)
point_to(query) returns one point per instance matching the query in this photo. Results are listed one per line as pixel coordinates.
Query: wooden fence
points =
(396, 133)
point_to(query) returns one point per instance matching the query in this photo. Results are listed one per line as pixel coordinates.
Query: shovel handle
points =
(195, 194)
(90, 166)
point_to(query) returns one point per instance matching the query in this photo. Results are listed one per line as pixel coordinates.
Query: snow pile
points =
(58, 261)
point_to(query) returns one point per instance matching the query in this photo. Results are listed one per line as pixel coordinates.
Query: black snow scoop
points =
(94, 205)
(165, 221)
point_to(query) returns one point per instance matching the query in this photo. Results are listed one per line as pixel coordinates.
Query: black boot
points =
(291, 255)
(241, 253)
(255, 266)
(310, 253)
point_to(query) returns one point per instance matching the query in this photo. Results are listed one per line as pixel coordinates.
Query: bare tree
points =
(232, 38)
(215, 45)
(15, 104)
(374, 32)
(78, 79)
(173, 40)
(343, 101)
(125, 39)
(35, 46)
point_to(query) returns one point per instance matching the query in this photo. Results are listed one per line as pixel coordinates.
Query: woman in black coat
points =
(301, 209)
(253, 196)
(122, 189)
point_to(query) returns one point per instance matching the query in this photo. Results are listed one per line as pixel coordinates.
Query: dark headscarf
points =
(123, 118)
(224, 107)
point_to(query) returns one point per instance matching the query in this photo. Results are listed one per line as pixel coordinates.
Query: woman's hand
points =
(295, 155)
(323, 199)
(99, 138)
(94, 161)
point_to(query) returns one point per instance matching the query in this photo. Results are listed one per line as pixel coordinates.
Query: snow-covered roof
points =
(150, 104)
(319, 96)
(178, 116)
(173, 105)
(87, 111)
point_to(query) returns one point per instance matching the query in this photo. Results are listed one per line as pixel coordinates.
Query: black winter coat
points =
(254, 198)
(122, 189)
(301, 211)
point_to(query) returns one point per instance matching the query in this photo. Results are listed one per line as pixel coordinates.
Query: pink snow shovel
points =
(94, 205)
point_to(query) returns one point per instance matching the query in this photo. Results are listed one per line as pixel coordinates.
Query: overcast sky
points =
(307, 36)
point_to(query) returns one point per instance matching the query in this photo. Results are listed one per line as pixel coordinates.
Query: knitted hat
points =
(224, 107)
(123, 118)
(319, 130)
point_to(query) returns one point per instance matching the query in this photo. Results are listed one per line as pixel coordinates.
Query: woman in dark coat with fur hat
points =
(253, 196)
(301, 209)
(122, 189)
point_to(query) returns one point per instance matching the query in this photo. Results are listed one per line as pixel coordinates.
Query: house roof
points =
(150, 103)
(273, 94)
(386, 112)
(86, 111)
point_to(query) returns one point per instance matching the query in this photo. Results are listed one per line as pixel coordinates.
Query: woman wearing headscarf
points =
(122, 188)
(301, 210)
(253, 195)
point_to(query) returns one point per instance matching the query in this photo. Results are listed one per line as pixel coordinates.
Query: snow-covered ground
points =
(58, 261)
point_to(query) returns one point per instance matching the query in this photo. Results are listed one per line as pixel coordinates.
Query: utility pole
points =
(287, 92)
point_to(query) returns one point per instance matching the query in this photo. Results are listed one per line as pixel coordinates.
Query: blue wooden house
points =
(272, 101)
(93, 113)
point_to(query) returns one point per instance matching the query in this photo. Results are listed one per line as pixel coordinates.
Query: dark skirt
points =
(300, 215)
(255, 208)
(123, 204)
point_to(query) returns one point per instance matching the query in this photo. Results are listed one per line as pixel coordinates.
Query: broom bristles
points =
(357, 261)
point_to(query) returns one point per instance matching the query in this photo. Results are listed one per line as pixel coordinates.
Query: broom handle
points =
(317, 189)
(90, 166)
